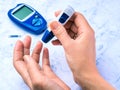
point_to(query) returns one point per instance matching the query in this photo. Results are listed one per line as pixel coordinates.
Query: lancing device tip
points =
(14, 36)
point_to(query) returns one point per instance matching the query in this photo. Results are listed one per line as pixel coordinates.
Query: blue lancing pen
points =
(64, 16)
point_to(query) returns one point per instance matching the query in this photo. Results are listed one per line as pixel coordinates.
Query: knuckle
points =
(90, 35)
(80, 15)
(76, 78)
(36, 84)
(91, 32)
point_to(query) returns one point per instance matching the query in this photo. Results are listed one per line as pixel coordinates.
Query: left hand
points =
(36, 77)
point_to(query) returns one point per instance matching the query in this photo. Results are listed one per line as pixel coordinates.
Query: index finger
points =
(77, 23)
(80, 22)
(18, 51)
(19, 63)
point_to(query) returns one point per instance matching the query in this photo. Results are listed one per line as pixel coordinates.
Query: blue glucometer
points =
(28, 18)
(64, 16)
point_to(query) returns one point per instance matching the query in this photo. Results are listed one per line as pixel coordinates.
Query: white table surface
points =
(102, 15)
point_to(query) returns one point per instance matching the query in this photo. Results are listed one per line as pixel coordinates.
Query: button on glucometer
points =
(39, 22)
(36, 16)
(36, 22)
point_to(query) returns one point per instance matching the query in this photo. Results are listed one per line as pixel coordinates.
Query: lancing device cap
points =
(47, 36)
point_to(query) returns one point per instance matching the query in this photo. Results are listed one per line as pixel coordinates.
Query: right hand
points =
(78, 41)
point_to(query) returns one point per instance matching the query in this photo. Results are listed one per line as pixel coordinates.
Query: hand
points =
(78, 41)
(36, 77)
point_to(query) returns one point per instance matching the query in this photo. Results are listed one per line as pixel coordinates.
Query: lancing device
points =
(64, 16)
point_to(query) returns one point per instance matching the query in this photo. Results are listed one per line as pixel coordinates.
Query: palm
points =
(50, 81)
(28, 67)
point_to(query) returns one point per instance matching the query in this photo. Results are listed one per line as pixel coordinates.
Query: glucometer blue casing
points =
(64, 16)
(28, 18)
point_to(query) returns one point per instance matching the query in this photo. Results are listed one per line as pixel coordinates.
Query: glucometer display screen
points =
(22, 13)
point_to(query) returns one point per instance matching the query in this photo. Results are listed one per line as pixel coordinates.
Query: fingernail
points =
(54, 25)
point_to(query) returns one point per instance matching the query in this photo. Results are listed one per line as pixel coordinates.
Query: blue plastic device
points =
(28, 18)
(64, 16)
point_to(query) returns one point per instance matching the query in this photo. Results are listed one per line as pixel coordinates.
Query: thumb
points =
(60, 32)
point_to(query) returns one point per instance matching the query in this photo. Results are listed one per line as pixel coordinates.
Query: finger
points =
(71, 34)
(18, 51)
(57, 13)
(33, 70)
(74, 28)
(19, 64)
(27, 43)
(68, 25)
(61, 33)
(56, 42)
(71, 26)
(45, 58)
(80, 22)
(36, 52)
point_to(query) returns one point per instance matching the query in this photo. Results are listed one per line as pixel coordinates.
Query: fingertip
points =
(54, 25)
(27, 44)
(18, 44)
(38, 46)
(57, 13)
(27, 37)
(27, 40)
(54, 42)
(18, 51)
(39, 42)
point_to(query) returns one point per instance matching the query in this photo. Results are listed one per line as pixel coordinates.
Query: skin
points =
(35, 76)
(78, 41)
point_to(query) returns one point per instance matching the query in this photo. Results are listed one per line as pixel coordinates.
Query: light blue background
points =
(102, 15)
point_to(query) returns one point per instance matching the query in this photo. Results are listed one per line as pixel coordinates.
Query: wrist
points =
(93, 81)
(82, 78)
